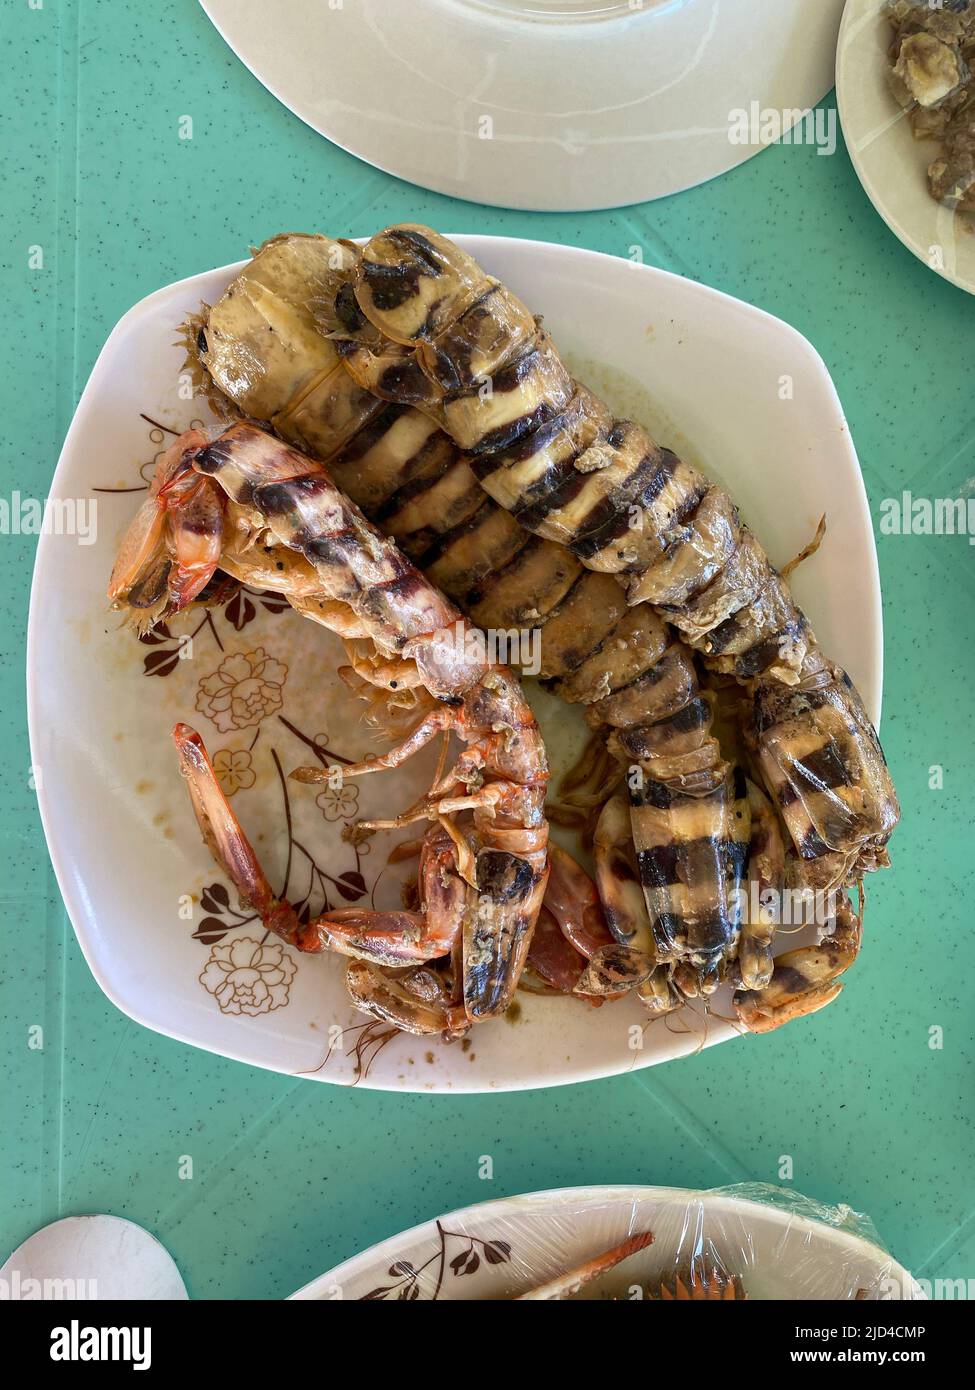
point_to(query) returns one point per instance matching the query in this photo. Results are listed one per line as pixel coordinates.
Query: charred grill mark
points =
(370, 434)
(347, 308)
(392, 286)
(419, 244)
(563, 422)
(505, 877)
(505, 435)
(560, 485)
(452, 369)
(290, 497)
(609, 519)
(447, 538)
(662, 866)
(821, 770)
(404, 382)
(420, 472)
(760, 657)
(406, 584)
(486, 584)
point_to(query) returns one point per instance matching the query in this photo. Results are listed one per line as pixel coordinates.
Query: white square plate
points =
(756, 408)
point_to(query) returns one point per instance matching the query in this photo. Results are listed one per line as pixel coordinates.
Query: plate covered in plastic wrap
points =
(750, 1241)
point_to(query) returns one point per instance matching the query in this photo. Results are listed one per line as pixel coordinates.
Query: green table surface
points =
(291, 1176)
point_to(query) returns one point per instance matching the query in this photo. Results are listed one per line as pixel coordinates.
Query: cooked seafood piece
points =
(932, 57)
(458, 345)
(246, 498)
(637, 680)
(700, 826)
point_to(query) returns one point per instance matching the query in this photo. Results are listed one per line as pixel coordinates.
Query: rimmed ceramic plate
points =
(890, 163)
(164, 938)
(781, 1248)
(559, 105)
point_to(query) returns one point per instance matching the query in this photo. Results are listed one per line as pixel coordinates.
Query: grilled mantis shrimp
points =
(626, 536)
(246, 503)
(264, 346)
(460, 347)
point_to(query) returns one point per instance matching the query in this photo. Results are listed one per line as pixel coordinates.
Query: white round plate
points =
(890, 163)
(91, 1257)
(501, 1249)
(163, 938)
(550, 105)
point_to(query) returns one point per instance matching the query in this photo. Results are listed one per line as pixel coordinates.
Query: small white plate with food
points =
(634, 1243)
(549, 105)
(904, 88)
(167, 938)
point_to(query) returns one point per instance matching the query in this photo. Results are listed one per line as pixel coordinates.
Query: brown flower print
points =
(244, 689)
(338, 803)
(246, 977)
(235, 769)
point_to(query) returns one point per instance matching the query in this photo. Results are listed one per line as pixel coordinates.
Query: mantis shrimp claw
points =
(383, 938)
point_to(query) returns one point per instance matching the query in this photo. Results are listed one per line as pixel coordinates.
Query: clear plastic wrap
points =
(750, 1241)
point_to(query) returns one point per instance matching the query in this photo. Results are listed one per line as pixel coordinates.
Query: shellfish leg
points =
(803, 981)
(564, 1285)
(384, 938)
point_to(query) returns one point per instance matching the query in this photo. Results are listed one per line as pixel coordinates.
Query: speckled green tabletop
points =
(290, 1176)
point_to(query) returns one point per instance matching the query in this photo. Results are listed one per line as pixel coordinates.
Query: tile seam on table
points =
(68, 69)
(54, 1013)
(693, 1127)
(955, 447)
(635, 219)
(365, 195)
(126, 1028)
(67, 211)
(949, 1244)
(223, 1166)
